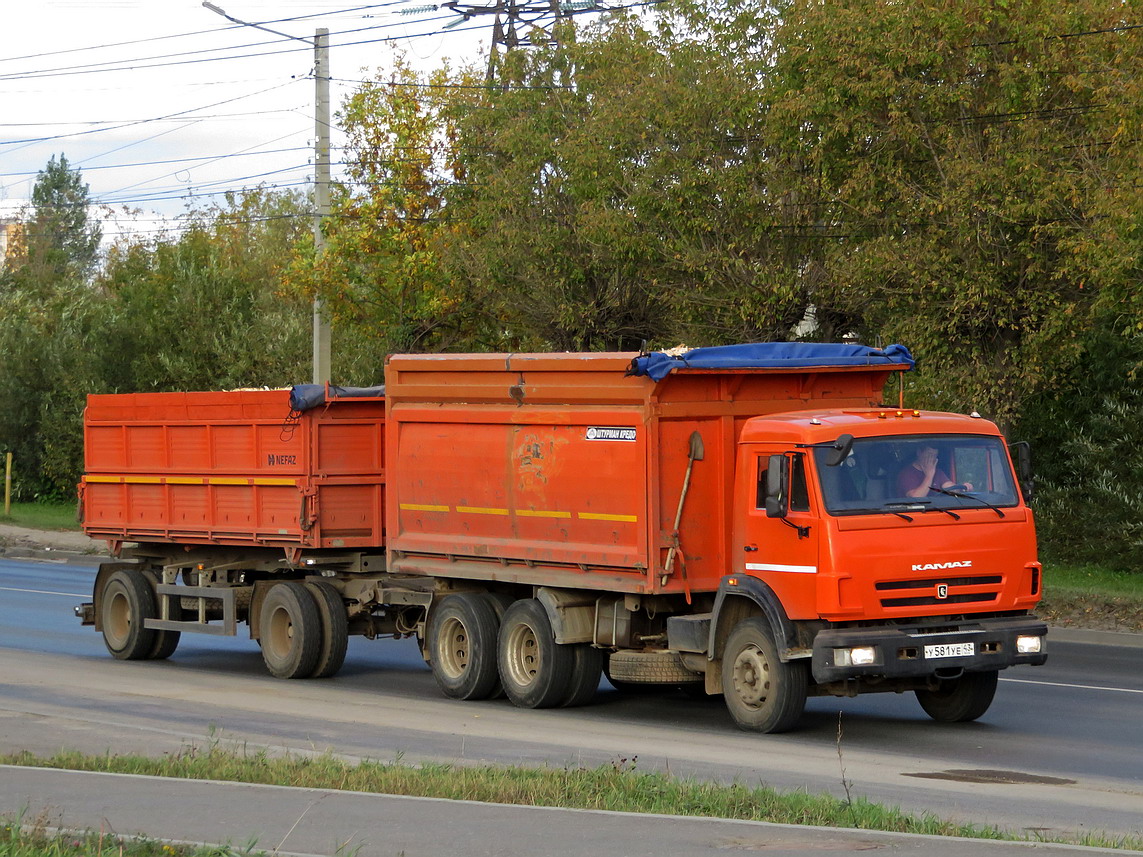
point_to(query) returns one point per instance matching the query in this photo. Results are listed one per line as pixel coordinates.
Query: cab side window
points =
(799, 492)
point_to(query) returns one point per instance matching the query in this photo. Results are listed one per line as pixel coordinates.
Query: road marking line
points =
(1073, 686)
(41, 592)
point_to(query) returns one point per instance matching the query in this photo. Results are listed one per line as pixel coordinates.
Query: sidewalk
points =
(292, 821)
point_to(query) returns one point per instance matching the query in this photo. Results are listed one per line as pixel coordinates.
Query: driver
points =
(921, 476)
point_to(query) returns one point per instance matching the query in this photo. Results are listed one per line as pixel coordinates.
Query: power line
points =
(136, 122)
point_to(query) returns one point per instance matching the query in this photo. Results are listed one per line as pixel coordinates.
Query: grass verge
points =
(41, 516)
(617, 787)
(1093, 597)
(24, 837)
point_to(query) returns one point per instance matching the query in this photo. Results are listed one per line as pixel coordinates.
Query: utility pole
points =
(519, 23)
(322, 355)
(322, 358)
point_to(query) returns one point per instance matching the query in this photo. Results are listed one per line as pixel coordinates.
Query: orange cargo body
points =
(233, 468)
(563, 470)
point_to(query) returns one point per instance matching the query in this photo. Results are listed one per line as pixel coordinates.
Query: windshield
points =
(918, 473)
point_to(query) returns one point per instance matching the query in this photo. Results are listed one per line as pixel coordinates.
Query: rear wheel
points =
(127, 601)
(334, 628)
(165, 641)
(587, 670)
(762, 693)
(960, 699)
(290, 631)
(535, 670)
(462, 645)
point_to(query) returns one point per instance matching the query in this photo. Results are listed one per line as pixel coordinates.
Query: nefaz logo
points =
(610, 433)
(281, 460)
(940, 566)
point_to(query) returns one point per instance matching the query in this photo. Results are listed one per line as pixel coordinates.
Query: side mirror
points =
(1022, 452)
(777, 480)
(840, 451)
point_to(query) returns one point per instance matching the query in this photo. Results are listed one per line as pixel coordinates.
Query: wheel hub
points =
(752, 677)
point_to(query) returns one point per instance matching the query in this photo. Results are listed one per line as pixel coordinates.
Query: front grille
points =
(981, 596)
(987, 580)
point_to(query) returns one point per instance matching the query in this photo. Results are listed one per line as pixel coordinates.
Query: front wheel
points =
(762, 693)
(961, 699)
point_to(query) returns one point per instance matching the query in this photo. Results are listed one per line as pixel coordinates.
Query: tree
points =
(60, 242)
(380, 276)
(959, 156)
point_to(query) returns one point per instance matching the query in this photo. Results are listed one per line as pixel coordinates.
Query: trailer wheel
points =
(334, 628)
(961, 699)
(535, 669)
(462, 645)
(165, 641)
(291, 631)
(762, 693)
(587, 670)
(127, 601)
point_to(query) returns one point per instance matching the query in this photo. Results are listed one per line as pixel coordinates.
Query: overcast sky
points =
(162, 102)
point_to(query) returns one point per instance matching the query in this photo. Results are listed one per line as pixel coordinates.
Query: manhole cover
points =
(1007, 778)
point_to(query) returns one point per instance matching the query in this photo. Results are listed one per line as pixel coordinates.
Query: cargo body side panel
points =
(232, 468)
(562, 470)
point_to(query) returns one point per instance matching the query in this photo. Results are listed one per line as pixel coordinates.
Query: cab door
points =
(783, 552)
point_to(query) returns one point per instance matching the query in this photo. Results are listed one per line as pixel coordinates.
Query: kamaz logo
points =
(938, 566)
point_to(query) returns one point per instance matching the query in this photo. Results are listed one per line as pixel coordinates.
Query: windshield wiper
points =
(916, 506)
(961, 496)
(949, 512)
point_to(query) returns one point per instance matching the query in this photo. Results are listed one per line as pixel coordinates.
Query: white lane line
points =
(42, 592)
(1073, 686)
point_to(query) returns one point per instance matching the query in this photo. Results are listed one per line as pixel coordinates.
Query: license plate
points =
(950, 650)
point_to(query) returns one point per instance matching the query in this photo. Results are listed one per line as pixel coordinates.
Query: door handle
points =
(750, 548)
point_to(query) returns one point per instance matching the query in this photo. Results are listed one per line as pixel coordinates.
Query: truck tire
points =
(127, 601)
(587, 670)
(656, 668)
(165, 641)
(536, 671)
(762, 693)
(960, 699)
(462, 634)
(334, 628)
(290, 631)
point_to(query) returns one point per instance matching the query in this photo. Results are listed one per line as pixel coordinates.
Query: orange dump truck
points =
(745, 520)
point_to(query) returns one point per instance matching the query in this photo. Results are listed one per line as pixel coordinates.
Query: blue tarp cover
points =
(306, 396)
(771, 355)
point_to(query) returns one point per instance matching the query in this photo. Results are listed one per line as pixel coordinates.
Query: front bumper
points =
(903, 651)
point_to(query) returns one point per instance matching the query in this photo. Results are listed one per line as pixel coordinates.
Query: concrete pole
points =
(321, 345)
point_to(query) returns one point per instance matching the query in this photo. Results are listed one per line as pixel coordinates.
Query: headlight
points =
(1029, 645)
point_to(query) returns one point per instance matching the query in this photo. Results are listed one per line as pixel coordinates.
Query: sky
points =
(163, 104)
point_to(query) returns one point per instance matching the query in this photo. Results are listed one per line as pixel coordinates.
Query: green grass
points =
(616, 787)
(24, 837)
(1088, 596)
(41, 516)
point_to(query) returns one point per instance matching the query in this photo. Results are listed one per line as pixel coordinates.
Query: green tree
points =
(380, 276)
(958, 155)
(206, 308)
(60, 240)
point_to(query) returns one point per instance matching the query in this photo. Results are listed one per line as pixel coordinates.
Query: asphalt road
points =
(1061, 748)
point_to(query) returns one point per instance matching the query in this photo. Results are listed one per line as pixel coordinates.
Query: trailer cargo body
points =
(734, 519)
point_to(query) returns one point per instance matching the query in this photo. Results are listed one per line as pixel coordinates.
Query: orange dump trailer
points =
(747, 520)
(234, 468)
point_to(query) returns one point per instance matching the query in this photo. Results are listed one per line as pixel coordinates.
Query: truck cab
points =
(893, 549)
